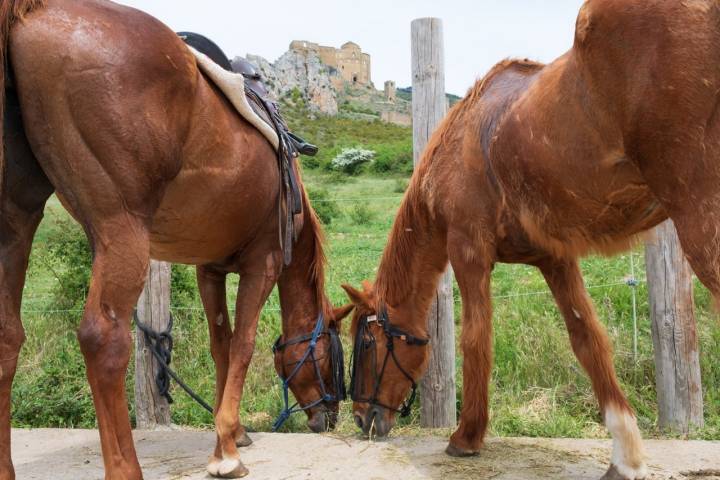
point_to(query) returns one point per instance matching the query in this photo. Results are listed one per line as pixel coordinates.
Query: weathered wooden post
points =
(151, 409)
(429, 105)
(677, 363)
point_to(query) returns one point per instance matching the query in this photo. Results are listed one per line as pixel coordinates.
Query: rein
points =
(336, 361)
(365, 342)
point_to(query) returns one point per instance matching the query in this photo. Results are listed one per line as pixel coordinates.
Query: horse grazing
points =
(106, 107)
(542, 164)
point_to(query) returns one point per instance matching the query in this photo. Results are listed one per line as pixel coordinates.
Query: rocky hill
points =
(303, 72)
(324, 91)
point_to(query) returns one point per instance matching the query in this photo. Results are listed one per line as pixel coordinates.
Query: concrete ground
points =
(174, 455)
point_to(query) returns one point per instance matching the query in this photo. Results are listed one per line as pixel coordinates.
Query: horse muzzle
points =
(376, 422)
(324, 418)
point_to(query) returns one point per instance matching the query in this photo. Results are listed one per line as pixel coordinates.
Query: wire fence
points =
(44, 297)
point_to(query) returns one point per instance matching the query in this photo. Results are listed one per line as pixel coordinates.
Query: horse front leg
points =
(256, 283)
(473, 276)
(592, 349)
(211, 283)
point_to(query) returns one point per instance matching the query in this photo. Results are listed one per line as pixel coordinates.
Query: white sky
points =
(478, 33)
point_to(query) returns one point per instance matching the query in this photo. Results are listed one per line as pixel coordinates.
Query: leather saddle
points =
(255, 89)
(289, 145)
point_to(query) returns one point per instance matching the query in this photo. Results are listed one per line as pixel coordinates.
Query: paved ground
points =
(75, 454)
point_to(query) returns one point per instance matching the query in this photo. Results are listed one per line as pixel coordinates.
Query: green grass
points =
(538, 388)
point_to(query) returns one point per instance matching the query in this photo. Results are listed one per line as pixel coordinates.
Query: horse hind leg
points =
(118, 274)
(23, 194)
(592, 349)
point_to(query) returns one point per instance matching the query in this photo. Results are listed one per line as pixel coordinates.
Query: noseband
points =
(363, 345)
(336, 361)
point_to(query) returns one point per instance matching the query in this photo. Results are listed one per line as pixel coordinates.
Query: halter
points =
(336, 361)
(362, 345)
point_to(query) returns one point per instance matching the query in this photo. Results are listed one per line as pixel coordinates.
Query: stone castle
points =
(347, 63)
(333, 81)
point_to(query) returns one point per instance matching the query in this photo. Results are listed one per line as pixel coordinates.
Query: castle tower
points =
(349, 61)
(390, 91)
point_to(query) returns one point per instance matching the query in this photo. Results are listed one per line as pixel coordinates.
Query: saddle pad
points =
(233, 86)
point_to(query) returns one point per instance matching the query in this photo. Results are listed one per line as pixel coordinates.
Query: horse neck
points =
(301, 284)
(413, 261)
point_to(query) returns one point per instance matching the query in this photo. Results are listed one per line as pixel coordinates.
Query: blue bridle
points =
(337, 364)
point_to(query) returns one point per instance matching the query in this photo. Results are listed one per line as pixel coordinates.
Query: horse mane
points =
(416, 213)
(316, 271)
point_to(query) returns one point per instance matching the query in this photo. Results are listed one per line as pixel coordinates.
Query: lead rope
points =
(160, 345)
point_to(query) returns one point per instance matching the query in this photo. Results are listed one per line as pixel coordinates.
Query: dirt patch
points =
(181, 455)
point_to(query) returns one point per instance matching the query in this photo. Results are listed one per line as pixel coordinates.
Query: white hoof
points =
(213, 467)
(628, 456)
(232, 468)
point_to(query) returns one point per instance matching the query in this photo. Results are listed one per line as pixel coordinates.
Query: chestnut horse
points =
(106, 107)
(542, 164)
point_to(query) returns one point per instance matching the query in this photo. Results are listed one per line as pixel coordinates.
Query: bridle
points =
(336, 361)
(365, 342)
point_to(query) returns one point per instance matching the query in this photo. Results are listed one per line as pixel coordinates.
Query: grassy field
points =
(538, 388)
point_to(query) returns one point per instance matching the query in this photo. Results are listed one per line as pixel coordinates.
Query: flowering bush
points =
(351, 159)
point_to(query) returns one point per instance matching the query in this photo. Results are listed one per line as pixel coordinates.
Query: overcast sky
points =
(478, 33)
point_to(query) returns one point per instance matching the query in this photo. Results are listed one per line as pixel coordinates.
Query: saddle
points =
(265, 116)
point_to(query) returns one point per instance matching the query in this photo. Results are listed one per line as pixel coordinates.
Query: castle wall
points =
(352, 65)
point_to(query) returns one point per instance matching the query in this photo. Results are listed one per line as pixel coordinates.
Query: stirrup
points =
(302, 146)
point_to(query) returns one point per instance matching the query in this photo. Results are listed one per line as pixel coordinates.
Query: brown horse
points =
(106, 107)
(541, 164)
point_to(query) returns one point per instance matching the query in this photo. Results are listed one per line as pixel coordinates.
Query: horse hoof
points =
(614, 474)
(243, 440)
(232, 468)
(454, 451)
(213, 467)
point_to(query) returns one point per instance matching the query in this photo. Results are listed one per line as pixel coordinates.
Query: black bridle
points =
(365, 343)
(337, 364)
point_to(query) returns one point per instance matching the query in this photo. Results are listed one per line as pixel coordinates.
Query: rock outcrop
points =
(301, 71)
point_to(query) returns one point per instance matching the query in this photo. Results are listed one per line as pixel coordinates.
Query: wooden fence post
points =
(429, 106)
(677, 362)
(151, 409)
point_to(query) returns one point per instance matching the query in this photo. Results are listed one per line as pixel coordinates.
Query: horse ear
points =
(357, 297)
(341, 312)
(367, 287)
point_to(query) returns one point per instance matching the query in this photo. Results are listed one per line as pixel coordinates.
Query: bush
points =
(396, 157)
(350, 160)
(361, 214)
(400, 185)
(68, 257)
(325, 208)
(183, 286)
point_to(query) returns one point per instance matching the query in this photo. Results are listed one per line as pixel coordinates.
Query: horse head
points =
(387, 362)
(312, 367)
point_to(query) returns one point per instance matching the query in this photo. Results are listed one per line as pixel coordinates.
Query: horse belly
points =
(206, 217)
(571, 186)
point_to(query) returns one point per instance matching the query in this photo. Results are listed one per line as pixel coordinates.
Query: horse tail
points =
(11, 11)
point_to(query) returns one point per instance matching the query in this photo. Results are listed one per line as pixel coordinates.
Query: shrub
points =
(67, 255)
(400, 185)
(335, 178)
(395, 157)
(183, 286)
(361, 214)
(350, 160)
(325, 208)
